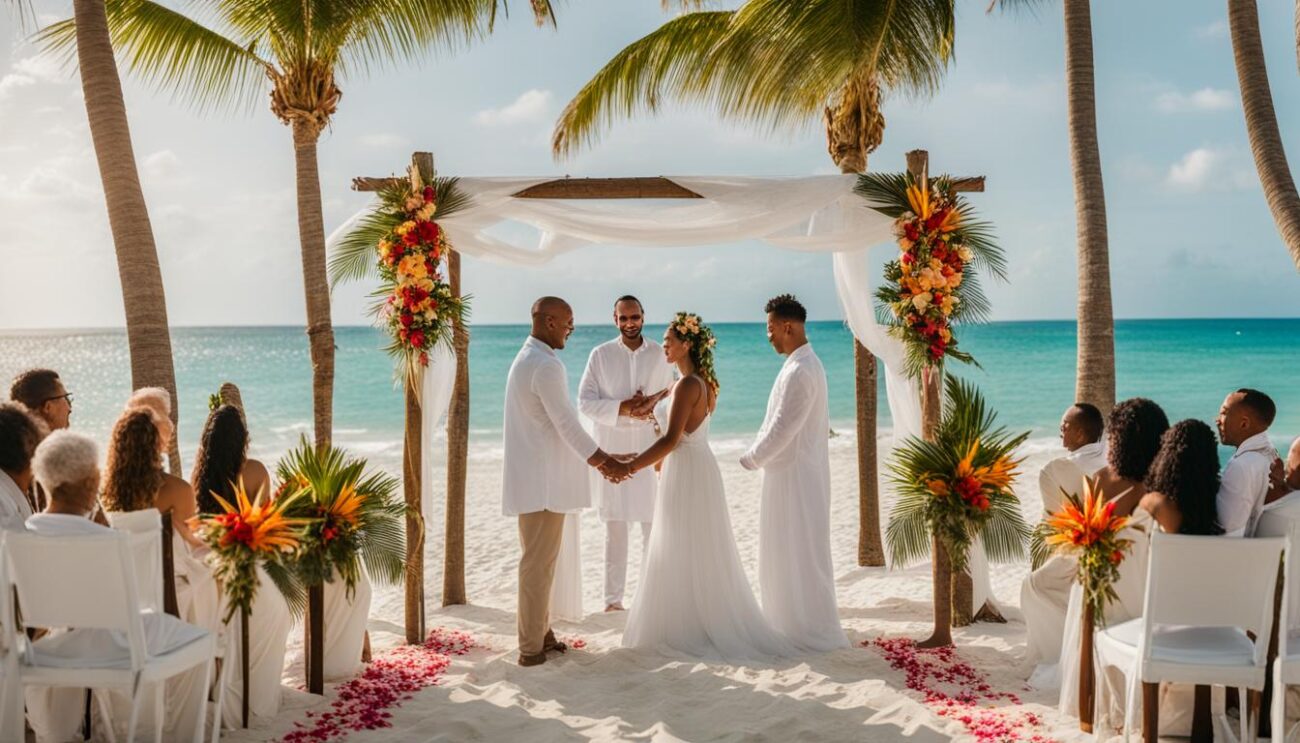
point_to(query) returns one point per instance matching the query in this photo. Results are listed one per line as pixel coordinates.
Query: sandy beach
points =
(603, 692)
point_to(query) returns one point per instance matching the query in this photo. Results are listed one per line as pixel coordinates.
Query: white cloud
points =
(1205, 99)
(532, 106)
(1209, 169)
(1213, 30)
(162, 164)
(13, 81)
(42, 67)
(384, 140)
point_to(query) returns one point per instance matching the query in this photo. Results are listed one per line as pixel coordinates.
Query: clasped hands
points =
(617, 467)
(641, 406)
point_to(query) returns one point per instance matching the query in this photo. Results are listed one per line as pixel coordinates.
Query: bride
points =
(694, 599)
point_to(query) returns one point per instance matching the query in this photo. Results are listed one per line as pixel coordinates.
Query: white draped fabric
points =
(345, 626)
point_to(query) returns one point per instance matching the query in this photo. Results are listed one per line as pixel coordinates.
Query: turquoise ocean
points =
(1027, 374)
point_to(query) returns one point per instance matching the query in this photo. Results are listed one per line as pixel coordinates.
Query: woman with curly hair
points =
(1133, 434)
(694, 599)
(1184, 480)
(134, 478)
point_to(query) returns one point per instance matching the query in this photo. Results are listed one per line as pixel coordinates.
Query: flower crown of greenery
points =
(688, 327)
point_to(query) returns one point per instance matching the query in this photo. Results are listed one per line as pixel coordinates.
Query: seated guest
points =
(1243, 423)
(221, 462)
(1133, 437)
(47, 399)
(1081, 430)
(19, 435)
(1183, 481)
(136, 478)
(67, 466)
(1284, 477)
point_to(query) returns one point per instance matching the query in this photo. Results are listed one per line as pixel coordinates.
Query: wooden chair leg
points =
(1254, 702)
(1150, 712)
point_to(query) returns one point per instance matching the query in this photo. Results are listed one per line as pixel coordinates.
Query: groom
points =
(794, 549)
(545, 447)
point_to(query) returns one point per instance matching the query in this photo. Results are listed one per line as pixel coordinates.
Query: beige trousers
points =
(539, 536)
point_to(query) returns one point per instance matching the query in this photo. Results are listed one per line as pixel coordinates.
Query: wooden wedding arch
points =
(453, 576)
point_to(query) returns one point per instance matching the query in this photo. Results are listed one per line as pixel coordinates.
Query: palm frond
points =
(285, 579)
(384, 33)
(1039, 550)
(885, 192)
(1006, 532)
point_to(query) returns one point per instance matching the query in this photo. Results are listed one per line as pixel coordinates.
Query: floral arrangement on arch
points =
(350, 517)
(248, 533)
(403, 244)
(932, 285)
(1087, 528)
(957, 486)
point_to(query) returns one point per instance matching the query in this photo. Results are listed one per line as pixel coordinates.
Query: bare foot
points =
(614, 607)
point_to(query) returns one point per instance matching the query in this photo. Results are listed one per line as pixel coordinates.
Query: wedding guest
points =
(1286, 475)
(1184, 480)
(43, 393)
(222, 460)
(1081, 430)
(1133, 434)
(623, 380)
(19, 434)
(1243, 423)
(135, 476)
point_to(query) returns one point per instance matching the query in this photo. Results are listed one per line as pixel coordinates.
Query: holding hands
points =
(641, 406)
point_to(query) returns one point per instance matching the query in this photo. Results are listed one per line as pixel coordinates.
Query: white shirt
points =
(546, 447)
(1244, 485)
(615, 373)
(14, 508)
(798, 399)
(1067, 473)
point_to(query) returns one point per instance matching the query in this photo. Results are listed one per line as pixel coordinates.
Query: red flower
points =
(935, 220)
(424, 358)
(395, 254)
(908, 258)
(911, 232)
(328, 534)
(411, 238)
(939, 252)
(428, 231)
(407, 319)
(417, 338)
(1116, 557)
(968, 488)
(936, 350)
(428, 194)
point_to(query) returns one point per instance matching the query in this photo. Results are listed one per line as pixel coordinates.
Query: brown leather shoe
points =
(551, 644)
(532, 660)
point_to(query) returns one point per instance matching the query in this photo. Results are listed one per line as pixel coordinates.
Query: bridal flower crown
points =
(688, 327)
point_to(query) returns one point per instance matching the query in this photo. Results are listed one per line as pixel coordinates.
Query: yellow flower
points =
(922, 301)
(345, 506)
(965, 254)
(949, 303)
(413, 203)
(405, 227)
(426, 212)
(412, 266)
(919, 199)
(954, 281)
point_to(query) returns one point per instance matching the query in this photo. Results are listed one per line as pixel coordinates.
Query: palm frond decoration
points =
(933, 285)
(958, 486)
(354, 518)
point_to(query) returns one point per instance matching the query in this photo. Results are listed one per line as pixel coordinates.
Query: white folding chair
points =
(11, 683)
(1286, 666)
(145, 530)
(1203, 595)
(87, 582)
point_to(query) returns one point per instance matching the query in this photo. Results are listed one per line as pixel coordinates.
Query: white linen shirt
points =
(14, 508)
(1244, 485)
(1067, 473)
(615, 373)
(546, 447)
(796, 427)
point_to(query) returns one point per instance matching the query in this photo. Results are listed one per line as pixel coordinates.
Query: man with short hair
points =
(19, 435)
(43, 393)
(1243, 422)
(1081, 433)
(545, 447)
(795, 573)
(623, 380)
(1284, 477)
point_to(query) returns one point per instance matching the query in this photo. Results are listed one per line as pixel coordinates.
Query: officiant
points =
(623, 380)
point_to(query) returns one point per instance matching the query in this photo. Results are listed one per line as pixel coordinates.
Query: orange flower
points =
(260, 523)
(938, 487)
(1082, 522)
(919, 199)
(345, 506)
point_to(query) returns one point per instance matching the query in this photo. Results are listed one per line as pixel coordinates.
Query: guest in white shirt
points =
(44, 395)
(1081, 430)
(19, 434)
(1284, 477)
(623, 380)
(545, 446)
(1243, 422)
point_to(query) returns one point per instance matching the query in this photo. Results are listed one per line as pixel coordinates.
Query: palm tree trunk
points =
(453, 568)
(1261, 122)
(1095, 381)
(143, 299)
(311, 237)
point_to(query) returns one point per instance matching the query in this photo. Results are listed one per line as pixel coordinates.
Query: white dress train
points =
(566, 590)
(269, 624)
(345, 627)
(694, 599)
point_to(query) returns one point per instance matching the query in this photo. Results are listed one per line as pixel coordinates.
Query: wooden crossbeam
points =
(656, 187)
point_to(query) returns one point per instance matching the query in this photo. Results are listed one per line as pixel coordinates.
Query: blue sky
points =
(1190, 234)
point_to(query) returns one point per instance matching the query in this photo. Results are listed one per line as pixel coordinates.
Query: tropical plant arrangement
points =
(400, 240)
(351, 518)
(1087, 529)
(252, 532)
(932, 285)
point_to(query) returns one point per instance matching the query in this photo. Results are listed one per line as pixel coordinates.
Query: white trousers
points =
(616, 539)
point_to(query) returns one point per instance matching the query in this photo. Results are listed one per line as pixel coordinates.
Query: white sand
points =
(607, 693)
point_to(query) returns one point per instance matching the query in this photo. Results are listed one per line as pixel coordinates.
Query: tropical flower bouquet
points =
(958, 486)
(932, 284)
(401, 240)
(248, 533)
(351, 517)
(1087, 528)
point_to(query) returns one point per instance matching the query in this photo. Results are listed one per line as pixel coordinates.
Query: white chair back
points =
(11, 685)
(1202, 581)
(86, 581)
(1285, 522)
(145, 528)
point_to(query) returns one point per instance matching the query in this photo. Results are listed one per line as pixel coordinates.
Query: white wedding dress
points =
(695, 599)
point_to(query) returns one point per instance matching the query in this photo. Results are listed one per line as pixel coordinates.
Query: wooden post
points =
(871, 552)
(243, 663)
(453, 569)
(315, 647)
(412, 457)
(942, 564)
(170, 605)
(1087, 679)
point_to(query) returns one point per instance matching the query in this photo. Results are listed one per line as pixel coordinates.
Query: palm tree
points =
(1261, 121)
(782, 65)
(302, 47)
(1095, 374)
(143, 300)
